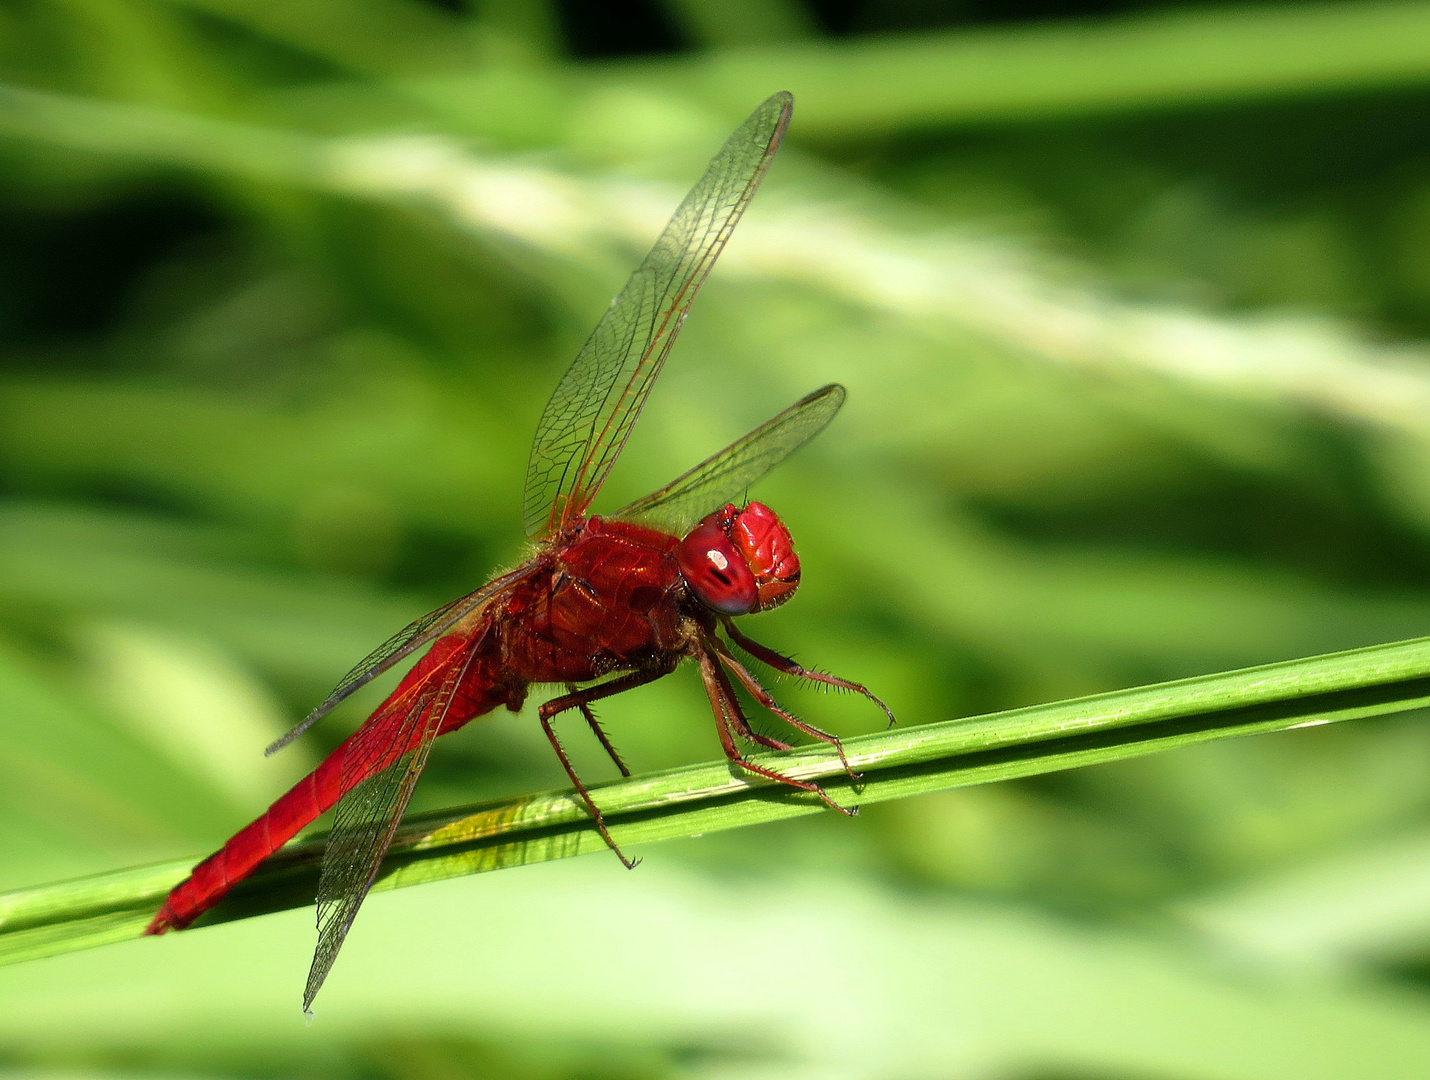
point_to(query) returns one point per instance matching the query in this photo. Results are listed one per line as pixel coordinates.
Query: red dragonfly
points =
(605, 604)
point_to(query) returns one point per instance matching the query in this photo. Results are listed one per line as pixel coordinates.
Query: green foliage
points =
(696, 800)
(1128, 311)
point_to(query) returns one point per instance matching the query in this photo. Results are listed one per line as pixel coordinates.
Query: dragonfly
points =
(603, 605)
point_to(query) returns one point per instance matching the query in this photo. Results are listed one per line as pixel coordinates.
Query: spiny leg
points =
(578, 698)
(597, 730)
(742, 728)
(766, 699)
(728, 716)
(788, 666)
(734, 716)
(581, 699)
(740, 723)
(600, 822)
(730, 721)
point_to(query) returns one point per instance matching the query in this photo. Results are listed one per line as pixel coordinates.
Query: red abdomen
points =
(380, 742)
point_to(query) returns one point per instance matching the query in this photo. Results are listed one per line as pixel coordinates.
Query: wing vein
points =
(590, 415)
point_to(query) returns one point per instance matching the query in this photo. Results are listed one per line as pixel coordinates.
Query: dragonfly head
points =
(738, 562)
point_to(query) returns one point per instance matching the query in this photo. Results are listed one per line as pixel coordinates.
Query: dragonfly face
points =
(738, 562)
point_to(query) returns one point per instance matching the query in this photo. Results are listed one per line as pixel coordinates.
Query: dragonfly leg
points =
(766, 699)
(741, 726)
(581, 699)
(729, 718)
(596, 816)
(788, 666)
(597, 730)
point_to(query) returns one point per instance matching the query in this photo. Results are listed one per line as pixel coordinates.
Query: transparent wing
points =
(722, 477)
(401, 645)
(590, 414)
(379, 775)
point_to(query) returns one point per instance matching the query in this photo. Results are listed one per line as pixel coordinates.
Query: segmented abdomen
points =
(380, 742)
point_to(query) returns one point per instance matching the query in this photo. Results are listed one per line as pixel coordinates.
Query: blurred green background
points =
(1131, 298)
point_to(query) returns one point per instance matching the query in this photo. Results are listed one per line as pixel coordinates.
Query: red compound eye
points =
(715, 571)
(762, 538)
(739, 561)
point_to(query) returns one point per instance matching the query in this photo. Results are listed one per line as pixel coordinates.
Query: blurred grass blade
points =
(360, 37)
(156, 135)
(931, 278)
(1068, 67)
(703, 798)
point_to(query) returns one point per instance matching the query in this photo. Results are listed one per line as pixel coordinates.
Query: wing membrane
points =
(722, 477)
(378, 777)
(401, 645)
(590, 414)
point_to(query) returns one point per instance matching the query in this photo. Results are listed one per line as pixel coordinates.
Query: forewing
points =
(590, 414)
(401, 645)
(367, 815)
(724, 476)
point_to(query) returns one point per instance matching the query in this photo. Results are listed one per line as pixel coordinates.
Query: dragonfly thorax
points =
(738, 562)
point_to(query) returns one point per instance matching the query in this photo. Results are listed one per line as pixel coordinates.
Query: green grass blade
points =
(704, 798)
(1067, 68)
